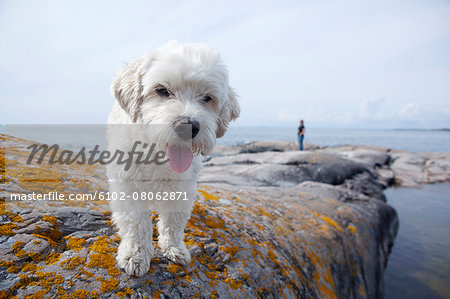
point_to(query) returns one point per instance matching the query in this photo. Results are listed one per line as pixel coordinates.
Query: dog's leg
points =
(133, 220)
(171, 234)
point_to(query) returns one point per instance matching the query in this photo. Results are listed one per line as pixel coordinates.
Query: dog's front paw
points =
(177, 254)
(135, 261)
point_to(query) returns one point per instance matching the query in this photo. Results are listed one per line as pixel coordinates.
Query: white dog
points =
(157, 96)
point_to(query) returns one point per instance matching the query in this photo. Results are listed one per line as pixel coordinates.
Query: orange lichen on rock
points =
(84, 272)
(72, 263)
(81, 294)
(322, 276)
(331, 222)
(10, 266)
(24, 280)
(102, 245)
(108, 285)
(38, 179)
(233, 283)
(174, 268)
(15, 218)
(3, 206)
(31, 267)
(230, 249)
(351, 228)
(7, 229)
(201, 217)
(52, 258)
(5, 295)
(54, 236)
(157, 294)
(74, 243)
(52, 219)
(103, 256)
(104, 261)
(126, 292)
(17, 249)
(208, 196)
(272, 255)
(47, 280)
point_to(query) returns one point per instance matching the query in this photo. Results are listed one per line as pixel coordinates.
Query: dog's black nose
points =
(185, 127)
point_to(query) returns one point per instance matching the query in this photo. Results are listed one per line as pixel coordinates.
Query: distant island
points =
(438, 130)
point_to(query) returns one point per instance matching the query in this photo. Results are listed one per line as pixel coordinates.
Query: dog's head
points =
(179, 85)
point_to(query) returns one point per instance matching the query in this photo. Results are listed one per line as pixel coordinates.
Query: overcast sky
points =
(353, 64)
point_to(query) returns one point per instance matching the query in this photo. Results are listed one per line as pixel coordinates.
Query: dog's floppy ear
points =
(127, 86)
(230, 111)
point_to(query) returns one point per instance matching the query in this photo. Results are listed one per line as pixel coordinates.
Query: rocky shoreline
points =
(269, 221)
(388, 167)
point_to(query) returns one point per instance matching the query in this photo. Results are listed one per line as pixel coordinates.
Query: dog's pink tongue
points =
(180, 158)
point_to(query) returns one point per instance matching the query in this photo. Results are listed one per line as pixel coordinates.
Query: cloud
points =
(411, 111)
(445, 111)
(286, 115)
(370, 109)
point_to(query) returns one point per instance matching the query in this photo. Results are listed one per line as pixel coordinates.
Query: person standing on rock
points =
(301, 135)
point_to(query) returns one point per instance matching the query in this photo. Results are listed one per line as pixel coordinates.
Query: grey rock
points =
(261, 146)
(7, 280)
(282, 169)
(195, 250)
(274, 146)
(7, 243)
(437, 169)
(272, 163)
(369, 157)
(76, 219)
(386, 175)
(211, 249)
(367, 184)
(329, 191)
(408, 169)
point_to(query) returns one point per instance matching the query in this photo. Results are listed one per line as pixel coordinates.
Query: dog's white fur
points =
(190, 72)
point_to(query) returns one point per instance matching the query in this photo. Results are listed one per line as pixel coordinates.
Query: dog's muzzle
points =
(186, 127)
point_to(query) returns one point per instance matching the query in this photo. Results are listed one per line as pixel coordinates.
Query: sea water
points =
(408, 140)
(419, 264)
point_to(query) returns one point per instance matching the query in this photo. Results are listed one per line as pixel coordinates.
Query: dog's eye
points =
(162, 91)
(207, 98)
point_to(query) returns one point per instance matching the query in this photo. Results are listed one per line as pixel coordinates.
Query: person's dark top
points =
(300, 129)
